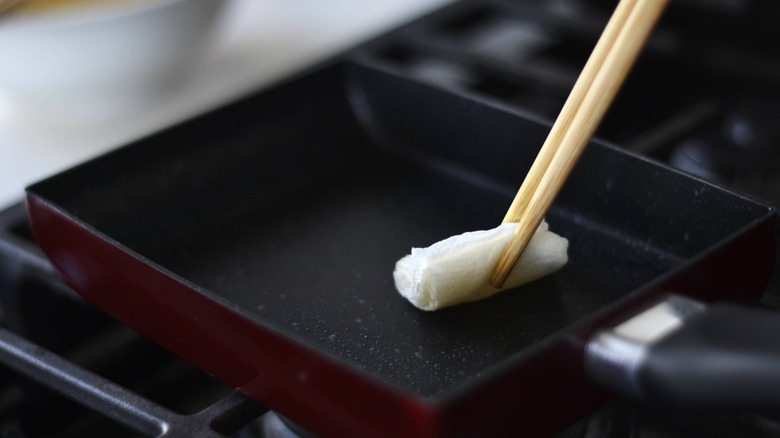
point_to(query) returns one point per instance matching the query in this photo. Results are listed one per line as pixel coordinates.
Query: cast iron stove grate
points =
(703, 97)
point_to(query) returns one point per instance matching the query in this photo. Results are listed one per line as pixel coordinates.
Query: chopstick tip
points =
(500, 272)
(496, 282)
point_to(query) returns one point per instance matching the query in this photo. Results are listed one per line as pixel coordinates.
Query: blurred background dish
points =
(82, 61)
(248, 44)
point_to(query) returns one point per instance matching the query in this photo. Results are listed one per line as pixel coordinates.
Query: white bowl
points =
(103, 60)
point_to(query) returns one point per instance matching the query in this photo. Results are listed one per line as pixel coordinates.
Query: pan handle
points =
(681, 354)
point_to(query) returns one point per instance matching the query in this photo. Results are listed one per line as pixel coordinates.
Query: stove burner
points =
(740, 149)
(274, 425)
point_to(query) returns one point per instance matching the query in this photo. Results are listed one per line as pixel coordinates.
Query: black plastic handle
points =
(726, 358)
(683, 355)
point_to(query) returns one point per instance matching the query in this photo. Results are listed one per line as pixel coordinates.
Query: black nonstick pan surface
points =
(258, 241)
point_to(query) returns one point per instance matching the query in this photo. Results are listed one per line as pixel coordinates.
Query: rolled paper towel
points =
(456, 270)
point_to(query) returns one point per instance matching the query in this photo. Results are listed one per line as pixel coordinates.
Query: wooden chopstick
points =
(618, 47)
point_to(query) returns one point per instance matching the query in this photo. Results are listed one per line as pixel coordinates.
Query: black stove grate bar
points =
(220, 419)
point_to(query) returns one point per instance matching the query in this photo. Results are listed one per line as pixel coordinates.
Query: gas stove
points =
(704, 98)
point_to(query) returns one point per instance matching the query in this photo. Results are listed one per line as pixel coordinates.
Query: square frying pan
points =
(258, 242)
